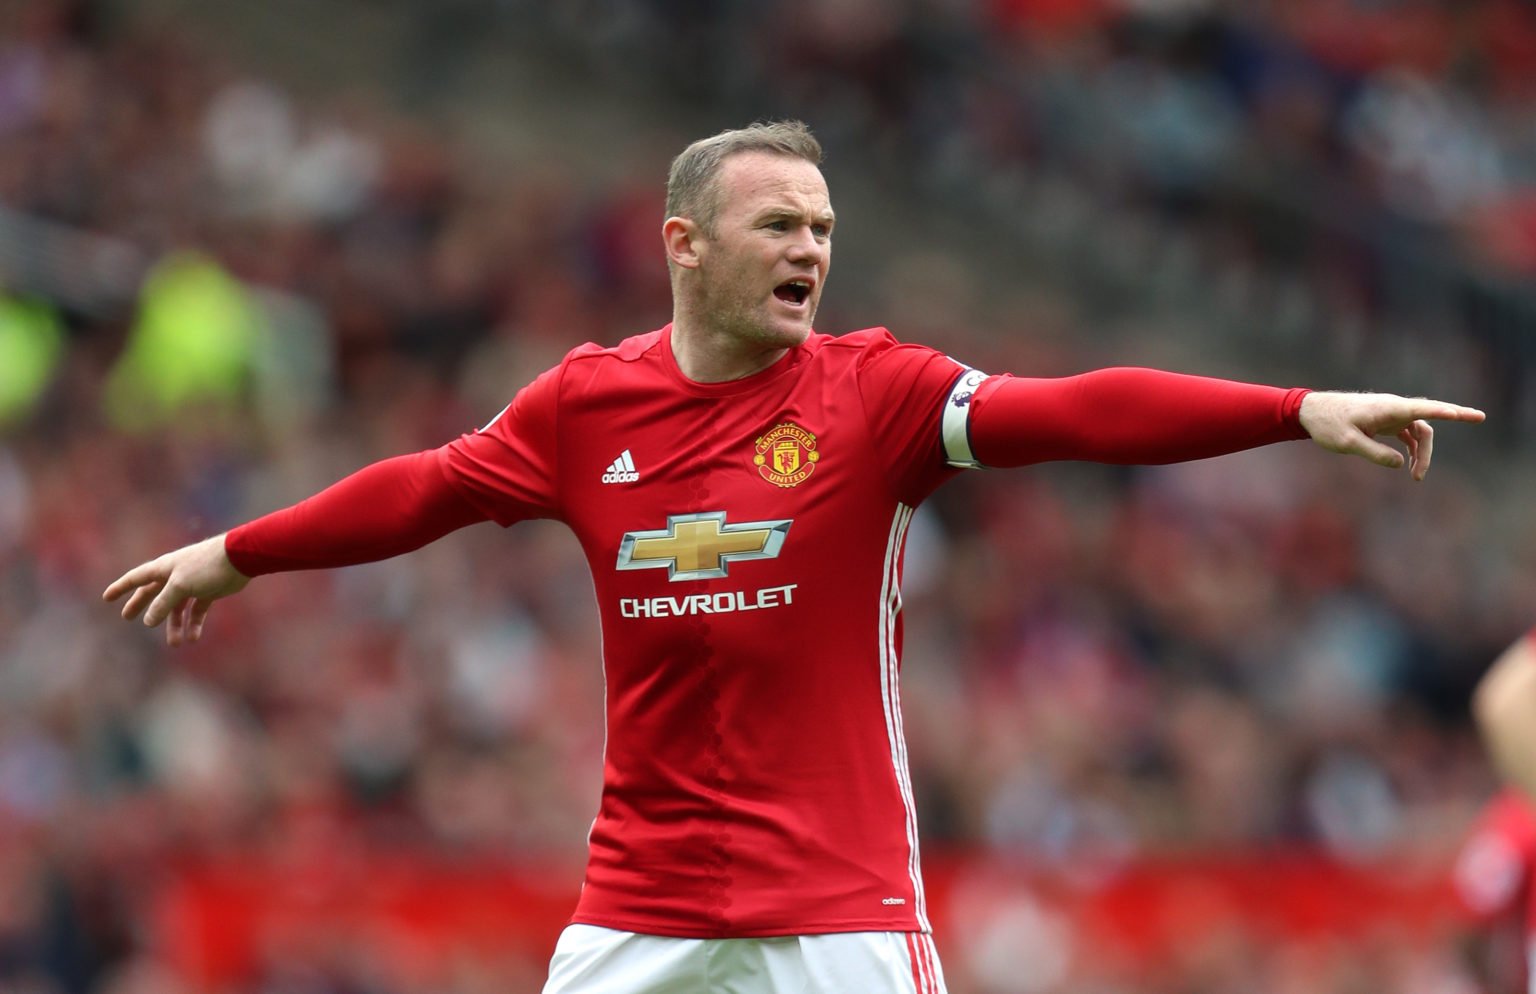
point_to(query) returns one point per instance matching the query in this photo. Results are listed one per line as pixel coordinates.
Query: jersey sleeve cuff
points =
(1290, 411)
(245, 562)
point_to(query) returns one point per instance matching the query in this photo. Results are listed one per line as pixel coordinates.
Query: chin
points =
(798, 332)
(771, 331)
(787, 338)
(788, 333)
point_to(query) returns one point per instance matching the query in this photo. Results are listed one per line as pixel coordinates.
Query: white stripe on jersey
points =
(905, 769)
(487, 426)
(890, 694)
(956, 421)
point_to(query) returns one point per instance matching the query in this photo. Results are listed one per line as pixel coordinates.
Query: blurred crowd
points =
(1360, 172)
(1267, 651)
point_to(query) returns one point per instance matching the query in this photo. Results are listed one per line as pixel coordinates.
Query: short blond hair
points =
(691, 181)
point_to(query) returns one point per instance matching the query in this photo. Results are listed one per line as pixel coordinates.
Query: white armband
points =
(956, 422)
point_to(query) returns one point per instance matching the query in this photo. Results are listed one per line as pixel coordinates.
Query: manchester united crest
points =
(785, 454)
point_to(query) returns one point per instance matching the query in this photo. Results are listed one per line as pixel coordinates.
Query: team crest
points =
(786, 454)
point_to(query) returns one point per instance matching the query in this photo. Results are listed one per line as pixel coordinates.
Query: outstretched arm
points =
(1146, 416)
(1504, 708)
(383, 510)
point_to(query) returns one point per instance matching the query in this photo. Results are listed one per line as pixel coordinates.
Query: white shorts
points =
(593, 960)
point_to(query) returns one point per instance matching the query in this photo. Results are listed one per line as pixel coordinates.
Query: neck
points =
(706, 354)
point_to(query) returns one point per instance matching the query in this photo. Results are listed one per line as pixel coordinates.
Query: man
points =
(742, 488)
(1494, 871)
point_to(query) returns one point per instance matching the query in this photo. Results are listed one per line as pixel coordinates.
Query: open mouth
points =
(793, 292)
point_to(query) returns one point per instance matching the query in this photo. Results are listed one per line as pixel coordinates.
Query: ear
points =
(683, 241)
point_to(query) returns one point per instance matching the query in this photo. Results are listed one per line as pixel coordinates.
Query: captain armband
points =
(956, 422)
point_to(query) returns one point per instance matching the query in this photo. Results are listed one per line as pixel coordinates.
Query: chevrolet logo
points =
(701, 546)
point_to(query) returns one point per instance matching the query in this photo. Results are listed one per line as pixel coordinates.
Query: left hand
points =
(1350, 422)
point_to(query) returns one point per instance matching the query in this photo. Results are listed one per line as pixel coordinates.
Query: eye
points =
(779, 225)
(821, 230)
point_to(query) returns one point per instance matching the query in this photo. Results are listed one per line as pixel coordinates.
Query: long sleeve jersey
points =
(745, 540)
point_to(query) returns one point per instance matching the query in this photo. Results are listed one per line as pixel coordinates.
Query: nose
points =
(806, 248)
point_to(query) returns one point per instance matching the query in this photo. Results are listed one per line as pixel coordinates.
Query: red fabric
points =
(1493, 871)
(903, 388)
(755, 780)
(1127, 415)
(1491, 883)
(509, 468)
(745, 541)
(383, 510)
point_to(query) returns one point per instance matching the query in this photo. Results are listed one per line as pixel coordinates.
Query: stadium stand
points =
(1198, 728)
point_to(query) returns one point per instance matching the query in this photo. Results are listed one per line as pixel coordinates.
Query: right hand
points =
(179, 587)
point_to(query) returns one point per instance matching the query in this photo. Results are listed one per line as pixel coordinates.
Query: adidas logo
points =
(622, 470)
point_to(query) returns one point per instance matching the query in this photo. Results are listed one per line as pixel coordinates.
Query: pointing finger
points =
(1418, 409)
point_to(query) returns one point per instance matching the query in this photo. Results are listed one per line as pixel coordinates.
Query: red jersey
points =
(1493, 876)
(745, 539)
